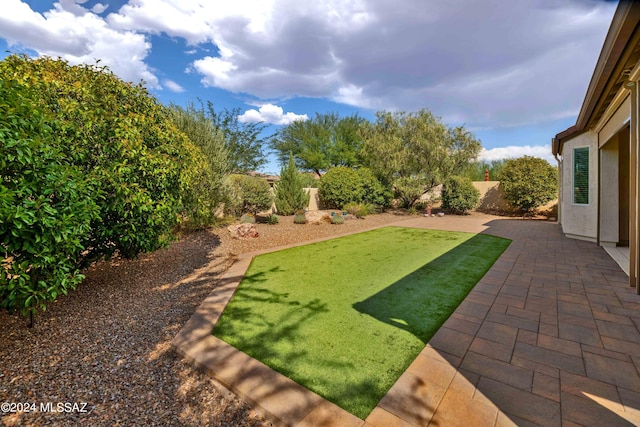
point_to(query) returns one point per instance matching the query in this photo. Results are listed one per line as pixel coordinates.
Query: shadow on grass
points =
(418, 303)
(423, 300)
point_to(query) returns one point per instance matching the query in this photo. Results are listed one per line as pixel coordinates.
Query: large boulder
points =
(243, 231)
(318, 217)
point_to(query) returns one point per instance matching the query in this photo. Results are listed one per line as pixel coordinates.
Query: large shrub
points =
(528, 182)
(341, 186)
(373, 191)
(250, 194)
(123, 140)
(289, 193)
(459, 195)
(46, 206)
(91, 166)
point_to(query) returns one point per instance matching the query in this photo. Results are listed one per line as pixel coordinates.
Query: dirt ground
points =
(106, 346)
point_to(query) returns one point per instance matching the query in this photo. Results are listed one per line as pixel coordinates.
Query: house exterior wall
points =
(617, 121)
(609, 193)
(580, 221)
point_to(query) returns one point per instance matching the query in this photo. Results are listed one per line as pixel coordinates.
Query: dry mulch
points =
(107, 344)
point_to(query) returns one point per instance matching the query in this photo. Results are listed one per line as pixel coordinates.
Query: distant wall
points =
(492, 199)
(314, 199)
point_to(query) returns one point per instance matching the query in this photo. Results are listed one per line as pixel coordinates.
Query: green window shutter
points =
(581, 176)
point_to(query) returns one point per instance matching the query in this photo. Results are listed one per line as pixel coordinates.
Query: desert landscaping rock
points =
(243, 231)
(107, 344)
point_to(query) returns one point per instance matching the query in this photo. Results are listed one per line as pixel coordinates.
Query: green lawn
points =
(347, 316)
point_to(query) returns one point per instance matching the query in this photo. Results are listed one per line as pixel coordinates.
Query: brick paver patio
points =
(549, 337)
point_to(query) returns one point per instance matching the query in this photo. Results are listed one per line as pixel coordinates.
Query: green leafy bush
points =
(341, 186)
(289, 193)
(528, 182)
(373, 191)
(337, 219)
(248, 219)
(459, 195)
(46, 206)
(248, 194)
(124, 141)
(272, 219)
(91, 166)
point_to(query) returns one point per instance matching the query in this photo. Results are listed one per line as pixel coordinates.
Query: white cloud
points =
(74, 33)
(514, 151)
(99, 8)
(486, 64)
(173, 86)
(269, 113)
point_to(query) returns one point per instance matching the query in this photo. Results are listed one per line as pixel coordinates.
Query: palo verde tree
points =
(414, 152)
(120, 143)
(209, 189)
(528, 182)
(244, 141)
(289, 191)
(321, 143)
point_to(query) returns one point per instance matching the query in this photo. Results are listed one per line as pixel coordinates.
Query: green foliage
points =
(244, 141)
(248, 194)
(46, 206)
(289, 193)
(359, 210)
(95, 167)
(248, 219)
(415, 152)
(321, 143)
(308, 180)
(339, 186)
(373, 191)
(337, 219)
(528, 182)
(272, 219)
(342, 185)
(476, 170)
(459, 195)
(123, 141)
(209, 190)
(300, 218)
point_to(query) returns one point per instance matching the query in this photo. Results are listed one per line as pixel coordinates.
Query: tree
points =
(321, 143)
(210, 189)
(476, 170)
(290, 195)
(528, 182)
(244, 141)
(415, 152)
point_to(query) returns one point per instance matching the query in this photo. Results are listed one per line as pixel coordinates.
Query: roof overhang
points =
(619, 54)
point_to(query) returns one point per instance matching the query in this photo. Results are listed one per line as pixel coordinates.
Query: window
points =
(581, 176)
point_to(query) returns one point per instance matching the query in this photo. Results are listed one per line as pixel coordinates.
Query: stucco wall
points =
(580, 221)
(314, 200)
(609, 202)
(492, 199)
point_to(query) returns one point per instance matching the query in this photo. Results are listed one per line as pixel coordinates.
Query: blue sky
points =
(513, 72)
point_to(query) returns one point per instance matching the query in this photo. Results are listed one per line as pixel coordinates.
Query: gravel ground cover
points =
(108, 343)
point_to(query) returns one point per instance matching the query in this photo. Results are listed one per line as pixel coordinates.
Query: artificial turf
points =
(346, 317)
